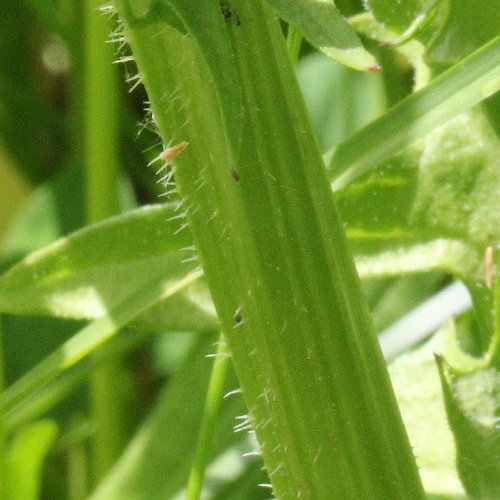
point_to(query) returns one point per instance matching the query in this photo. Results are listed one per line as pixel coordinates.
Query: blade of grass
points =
(40, 401)
(215, 393)
(90, 338)
(451, 93)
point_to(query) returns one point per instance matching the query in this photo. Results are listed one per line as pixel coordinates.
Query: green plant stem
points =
(275, 255)
(101, 120)
(293, 43)
(451, 93)
(215, 393)
(108, 405)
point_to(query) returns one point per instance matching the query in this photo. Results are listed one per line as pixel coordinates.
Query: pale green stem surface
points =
(275, 256)
(101, 136)
(213, 402)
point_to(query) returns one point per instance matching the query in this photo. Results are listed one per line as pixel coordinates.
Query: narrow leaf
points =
(91, 337)
(151, 470)
(451, 93)
(25, 460)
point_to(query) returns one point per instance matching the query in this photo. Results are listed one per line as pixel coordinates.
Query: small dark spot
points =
(235, 175)
(238, 319)
(229, 13)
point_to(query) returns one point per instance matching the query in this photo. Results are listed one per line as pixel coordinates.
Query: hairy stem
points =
(274, 254)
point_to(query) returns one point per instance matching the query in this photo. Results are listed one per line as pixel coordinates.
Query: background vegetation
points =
(105, 332)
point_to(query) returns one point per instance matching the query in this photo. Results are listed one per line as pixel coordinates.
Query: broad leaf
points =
(473, 404)
(416, 383)
(432, 205)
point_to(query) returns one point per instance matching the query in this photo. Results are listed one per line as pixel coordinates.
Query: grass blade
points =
(451, 93)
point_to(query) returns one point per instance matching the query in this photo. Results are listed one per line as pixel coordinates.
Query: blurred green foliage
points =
(443, 187)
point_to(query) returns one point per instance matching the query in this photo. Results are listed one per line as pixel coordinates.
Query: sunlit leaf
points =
(416, 382)
(25, 459)
(323, 26)
(88, 273)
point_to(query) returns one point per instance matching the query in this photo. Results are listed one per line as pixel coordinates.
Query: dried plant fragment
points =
(170, 153)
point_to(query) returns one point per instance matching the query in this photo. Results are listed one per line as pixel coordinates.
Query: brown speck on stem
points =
(170, 153)
(377, 67)
(235, 175)
(228, 13)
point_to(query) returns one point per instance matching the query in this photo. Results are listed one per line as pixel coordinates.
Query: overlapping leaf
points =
(323, 26)
(87, 274)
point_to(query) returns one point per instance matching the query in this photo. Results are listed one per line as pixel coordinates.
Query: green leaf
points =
(468, 25)
(450, 29)
(25, 459)
(323, 27)
(156, 463)
(401, 14)
(433, 207)
(90, 272)
(417, 387)
(92, 336)
(448, 95)
(458, 179)
(473, 406)
(411, 49)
